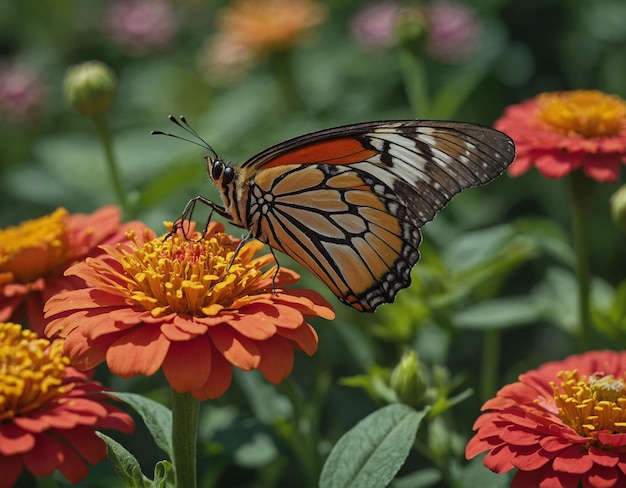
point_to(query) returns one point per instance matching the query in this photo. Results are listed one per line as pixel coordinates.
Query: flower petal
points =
(187, 365)
(237, 349)
(276, 359)
(138, 351)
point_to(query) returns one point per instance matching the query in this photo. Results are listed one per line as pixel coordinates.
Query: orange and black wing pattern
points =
(347, 203)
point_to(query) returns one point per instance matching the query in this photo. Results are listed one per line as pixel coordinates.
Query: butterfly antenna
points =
(183, 124)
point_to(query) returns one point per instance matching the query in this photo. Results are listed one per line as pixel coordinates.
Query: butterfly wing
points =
(347, 203)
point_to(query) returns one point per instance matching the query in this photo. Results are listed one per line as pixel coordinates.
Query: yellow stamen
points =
(33, 248)
(587, 113)
(184, 276)
(591, 404)
(31, 371)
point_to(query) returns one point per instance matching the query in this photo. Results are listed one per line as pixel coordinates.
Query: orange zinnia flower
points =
(189, 306)
(561, 425)
(48, 410)
(250, 29)
(34, 255)
(560, 132)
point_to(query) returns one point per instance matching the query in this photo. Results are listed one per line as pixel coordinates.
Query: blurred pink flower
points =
(453, 31)
(141, 26)
(22, 93)
(374, 25)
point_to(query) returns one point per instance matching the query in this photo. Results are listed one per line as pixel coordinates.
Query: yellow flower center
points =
(591, 404)
(33, 248)
(195, 277)
(31, 371)
(587, 113)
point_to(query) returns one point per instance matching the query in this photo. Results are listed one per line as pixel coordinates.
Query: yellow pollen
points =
(591, 404)
(587, 113)
(194, 277)
(31, 371)
(33, 248)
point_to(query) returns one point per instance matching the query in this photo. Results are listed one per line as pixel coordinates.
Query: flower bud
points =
(90, 87)
(408, 380)
(618, 207)
(411, 29)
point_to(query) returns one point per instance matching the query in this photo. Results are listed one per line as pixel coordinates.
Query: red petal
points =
(603, 457)
(84, 441)
(10, 467)
(73, 467)
(45, 456)
(499, 459)
(237, 349)
(138, 351)
(276, 359)
(14, 440)
(304, 336)
(573, 460)
(603, 168)
(602, 477)
(219, 380)
(188, 364)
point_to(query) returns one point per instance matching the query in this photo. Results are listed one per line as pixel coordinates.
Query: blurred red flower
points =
(563, 131)
(34, 255)
(48, 410)
(189, 306)
(561, 425)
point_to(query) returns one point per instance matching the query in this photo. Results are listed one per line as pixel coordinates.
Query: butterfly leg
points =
(188, 214)
(276, 272)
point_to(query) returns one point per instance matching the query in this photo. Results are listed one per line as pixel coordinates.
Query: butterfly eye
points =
(229, 174)
(217, 168)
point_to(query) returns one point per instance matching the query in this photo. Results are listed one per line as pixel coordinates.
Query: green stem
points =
(581, 190)
(490, 364)
(107, 143)
(283, 68)
(185, 410)
(415, 81)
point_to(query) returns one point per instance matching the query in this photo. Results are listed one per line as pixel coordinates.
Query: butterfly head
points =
(220, 172)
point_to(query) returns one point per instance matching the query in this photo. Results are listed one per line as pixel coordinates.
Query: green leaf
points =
(500, 313)
(163, 470)
(158, 419)
(124, 463)
(371, 453)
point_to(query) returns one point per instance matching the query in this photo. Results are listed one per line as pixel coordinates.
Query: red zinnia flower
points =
(48, 410)
(560, 132)
(34, 255)
(190, 306)
(560, 425)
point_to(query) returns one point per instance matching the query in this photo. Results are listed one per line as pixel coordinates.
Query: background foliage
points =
(494, 293)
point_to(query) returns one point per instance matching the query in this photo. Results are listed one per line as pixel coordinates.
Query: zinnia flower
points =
(34, 255)
(22, 93)
(190, 306)
(48, 410)
(453, 31)
(563, 131)
(374, 26)
(251, 29)
(141, 26)
(561, 425)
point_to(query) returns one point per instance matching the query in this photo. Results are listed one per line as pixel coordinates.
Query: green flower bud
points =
(90, 87)
(618, 207)
(408, 380)
(411, 29)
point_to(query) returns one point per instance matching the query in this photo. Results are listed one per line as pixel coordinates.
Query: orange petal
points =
(253, 326)
(14, 440)
(305, 337)
(238, 350)
(219, 379)
(44, 457)
(309, 302)
(188, 364)
(138, 351)
(276, 359)
(86, 353)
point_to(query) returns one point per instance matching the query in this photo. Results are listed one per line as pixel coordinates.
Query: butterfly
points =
(347, 203)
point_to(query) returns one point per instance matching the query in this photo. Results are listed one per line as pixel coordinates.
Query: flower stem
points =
(490, 364)
(107, 143)
(415, 81)
(581, 191)
(185, 410)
